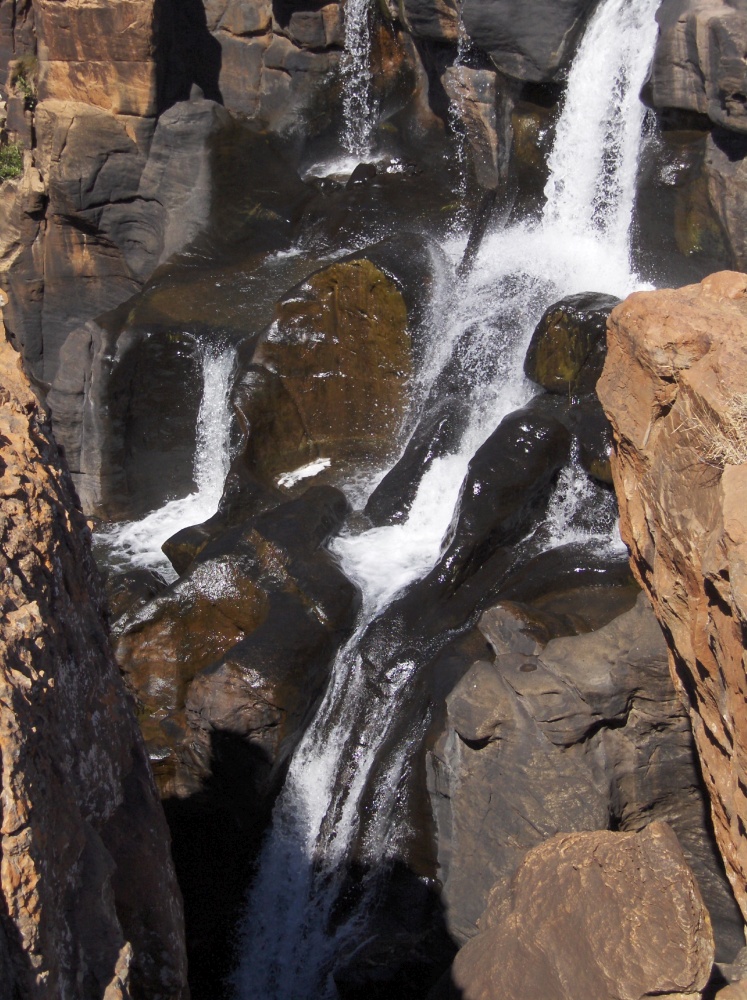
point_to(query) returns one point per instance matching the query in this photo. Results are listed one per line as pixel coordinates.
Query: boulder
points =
(601, 915)
(579, 732)
(698, 63)
(328, 381)
(567, 350)
(90, 902)
(529, 41)
(484, 110)
(434, 19)
(673, 388)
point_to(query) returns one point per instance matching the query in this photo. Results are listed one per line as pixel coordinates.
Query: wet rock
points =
(434, 19)
(484, 110)
(89, 898)
(580, 733)
(698, 64)
(584, 417)
(725, 173)
(673, 387)
(507, 480)
(329, 378)
(128, 592)
(242, 643)
(593, 914)
(528, 41)
(568, 347)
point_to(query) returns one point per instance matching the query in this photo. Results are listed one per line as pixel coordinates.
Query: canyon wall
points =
(89, 905)
(674, 389)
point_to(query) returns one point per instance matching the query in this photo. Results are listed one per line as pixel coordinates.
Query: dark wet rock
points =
(580, 733)
(568, 347)
(434, 19)
(584, 417)
(698, 64)
(130, 591)
(484, 104)
(529, 41)
(242, 643)
(506, 483)
(593, 914)
(726, 173)
(329, 378)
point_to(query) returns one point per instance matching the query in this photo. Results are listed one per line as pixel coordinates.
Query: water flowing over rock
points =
(673, 388)
(601, 915)
(90, 902)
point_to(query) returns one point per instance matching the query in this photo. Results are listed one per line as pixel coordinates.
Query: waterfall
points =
(358, 107)
(138, 543)
(292, 933)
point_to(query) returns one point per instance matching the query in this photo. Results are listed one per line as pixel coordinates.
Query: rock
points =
(673, 388)
(435, 19)
(567, 350)
(593, 915)
(90, 901)
(101, 54)
(725, 174)
(340, 340)
(484, 111)
(242, 643)
(698, 63)
(579, 732)
(529, 41)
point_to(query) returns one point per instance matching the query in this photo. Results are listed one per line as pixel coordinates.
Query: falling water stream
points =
(138, 543)
(581, 244)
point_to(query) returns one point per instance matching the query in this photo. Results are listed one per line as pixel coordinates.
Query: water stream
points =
(582, 243)
(358, 107)
(138, 543)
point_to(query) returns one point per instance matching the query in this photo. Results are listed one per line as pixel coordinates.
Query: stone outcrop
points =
(90, 905)
(698, 64)
(578, 732)
(528, 41)
(593, 915)
(674, 389)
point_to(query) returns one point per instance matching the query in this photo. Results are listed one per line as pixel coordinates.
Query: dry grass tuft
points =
(725, 433)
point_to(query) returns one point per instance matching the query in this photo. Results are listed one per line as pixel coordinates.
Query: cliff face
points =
(89, 902)
(674, 389)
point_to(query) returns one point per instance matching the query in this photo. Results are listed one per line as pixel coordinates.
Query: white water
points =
(138, 543)
(358, 107)
(581, 244)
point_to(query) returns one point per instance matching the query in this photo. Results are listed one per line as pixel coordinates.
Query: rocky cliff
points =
(674, 389)
(90, 907)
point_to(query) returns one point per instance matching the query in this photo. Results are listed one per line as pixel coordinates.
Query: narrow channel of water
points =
(581, 244)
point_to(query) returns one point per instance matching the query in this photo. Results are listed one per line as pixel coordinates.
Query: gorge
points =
(317, 298)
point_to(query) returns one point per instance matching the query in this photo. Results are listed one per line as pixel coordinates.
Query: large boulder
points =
(673, 388)
(580, 733)
(567, 350)
(328, 383)
(602, 915)
(698, 64)
(530, 41)
(726, 175)
(89, 899)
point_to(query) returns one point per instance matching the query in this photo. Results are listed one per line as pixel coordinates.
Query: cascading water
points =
(359, 112)
(292, 933)
(138, 543)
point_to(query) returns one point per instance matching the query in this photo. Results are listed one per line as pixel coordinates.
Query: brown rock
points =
(329, 376)
(698, 64)
(603, 915)
(474, 94)
(725, 176)
(90, 902)
(673, 387)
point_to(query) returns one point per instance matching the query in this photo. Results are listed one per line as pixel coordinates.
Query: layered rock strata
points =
(90, 905)
(674, 389)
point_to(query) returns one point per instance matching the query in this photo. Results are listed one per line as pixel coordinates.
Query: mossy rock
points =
(569, 344)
